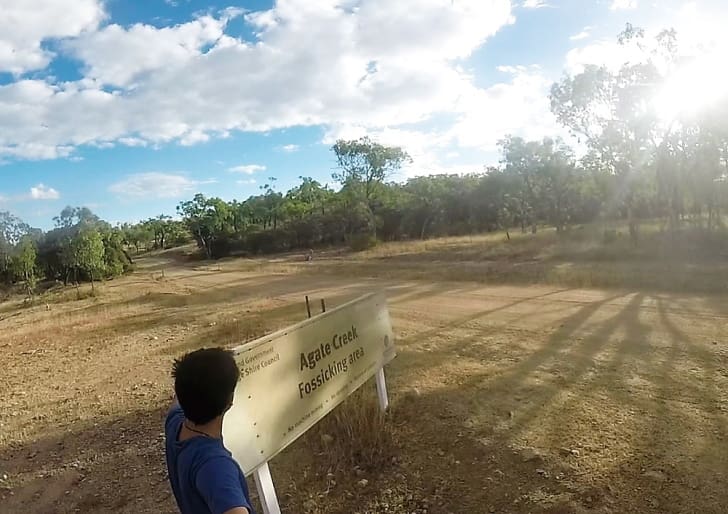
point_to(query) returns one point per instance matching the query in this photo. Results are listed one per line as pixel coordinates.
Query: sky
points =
(128, 107)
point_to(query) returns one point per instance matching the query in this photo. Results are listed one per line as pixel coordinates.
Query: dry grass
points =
(690, 261)
(357, 435)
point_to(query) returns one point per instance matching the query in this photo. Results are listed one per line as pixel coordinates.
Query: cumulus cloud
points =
(154, 185)
(518, 106)
(248, 169)
(43, 192)
(375, 64)
(25, 25)
(117, 55)
(290, 148)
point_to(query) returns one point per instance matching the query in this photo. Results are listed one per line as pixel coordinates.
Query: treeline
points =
(81, 247)
(643, 159)
(540, 182)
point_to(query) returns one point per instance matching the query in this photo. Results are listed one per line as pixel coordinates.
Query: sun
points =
(692, 89)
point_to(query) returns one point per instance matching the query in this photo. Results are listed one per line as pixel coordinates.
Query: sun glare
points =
(692, 89)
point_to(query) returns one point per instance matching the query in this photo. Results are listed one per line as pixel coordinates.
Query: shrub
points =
(362, 242)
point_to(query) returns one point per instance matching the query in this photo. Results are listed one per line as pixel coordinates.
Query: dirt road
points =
(505, 399)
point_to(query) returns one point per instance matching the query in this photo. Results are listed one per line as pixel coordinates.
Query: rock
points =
(568, 452)
(656, 475)
(529, 455)
(363, 482)
(542, 472)
(327, 439)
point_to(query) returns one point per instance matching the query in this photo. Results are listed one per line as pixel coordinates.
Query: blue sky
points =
(128, 107)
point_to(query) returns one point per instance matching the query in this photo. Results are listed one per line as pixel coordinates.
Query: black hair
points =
(204, 381)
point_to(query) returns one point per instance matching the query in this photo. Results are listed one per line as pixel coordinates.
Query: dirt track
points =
(505, 399)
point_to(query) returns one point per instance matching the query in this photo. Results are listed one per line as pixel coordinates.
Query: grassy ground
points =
(535, 396)
(690, 261)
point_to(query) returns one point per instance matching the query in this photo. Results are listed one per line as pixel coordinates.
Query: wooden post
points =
(266, 490)
(308, 307)
(323, 305)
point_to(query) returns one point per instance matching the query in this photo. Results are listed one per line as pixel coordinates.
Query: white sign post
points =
(294, 377)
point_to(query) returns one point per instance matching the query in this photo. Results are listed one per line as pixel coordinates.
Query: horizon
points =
(129, 110)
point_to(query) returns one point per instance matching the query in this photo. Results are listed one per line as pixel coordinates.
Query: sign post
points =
(266, 490)
(294, 377)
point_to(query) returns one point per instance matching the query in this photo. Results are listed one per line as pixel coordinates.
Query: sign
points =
(291, 379)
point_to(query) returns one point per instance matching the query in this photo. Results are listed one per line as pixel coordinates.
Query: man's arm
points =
(237, 510)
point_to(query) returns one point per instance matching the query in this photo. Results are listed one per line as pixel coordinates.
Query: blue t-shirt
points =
(205, 479)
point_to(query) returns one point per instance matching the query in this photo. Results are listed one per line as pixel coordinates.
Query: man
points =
(205, 479)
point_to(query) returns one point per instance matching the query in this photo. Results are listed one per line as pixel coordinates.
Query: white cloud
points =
(535, 4)
(290, 148)
(26, 24)
(581, 35)
(132, 141)
(248, 169)
(623, 4)
(607, 53)
(247, 182)
(518, 106)
(376, 65)
(154, 185)
(117, 55)
(42, 192)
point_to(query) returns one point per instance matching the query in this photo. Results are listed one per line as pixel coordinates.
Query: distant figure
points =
(204, 477)
(309, 255)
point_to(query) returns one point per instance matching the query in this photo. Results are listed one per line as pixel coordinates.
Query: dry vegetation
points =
(539, 396)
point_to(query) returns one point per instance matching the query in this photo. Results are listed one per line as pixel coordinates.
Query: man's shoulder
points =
(175, 417)
(175, 410)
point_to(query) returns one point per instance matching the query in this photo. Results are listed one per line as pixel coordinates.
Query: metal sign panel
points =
(291, 379)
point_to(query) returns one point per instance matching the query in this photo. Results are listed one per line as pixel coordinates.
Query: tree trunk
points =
(424, 227)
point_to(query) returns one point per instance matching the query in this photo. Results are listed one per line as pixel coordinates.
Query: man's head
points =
(204, 382)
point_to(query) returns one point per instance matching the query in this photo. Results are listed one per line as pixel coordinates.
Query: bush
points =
(362, 242)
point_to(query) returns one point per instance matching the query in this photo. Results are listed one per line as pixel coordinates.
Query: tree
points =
(24, 264)
(87, 253)
(72, 216)
(12, 231)
(363, 167)
(610, 110)
(208, 219)
(160, 228)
